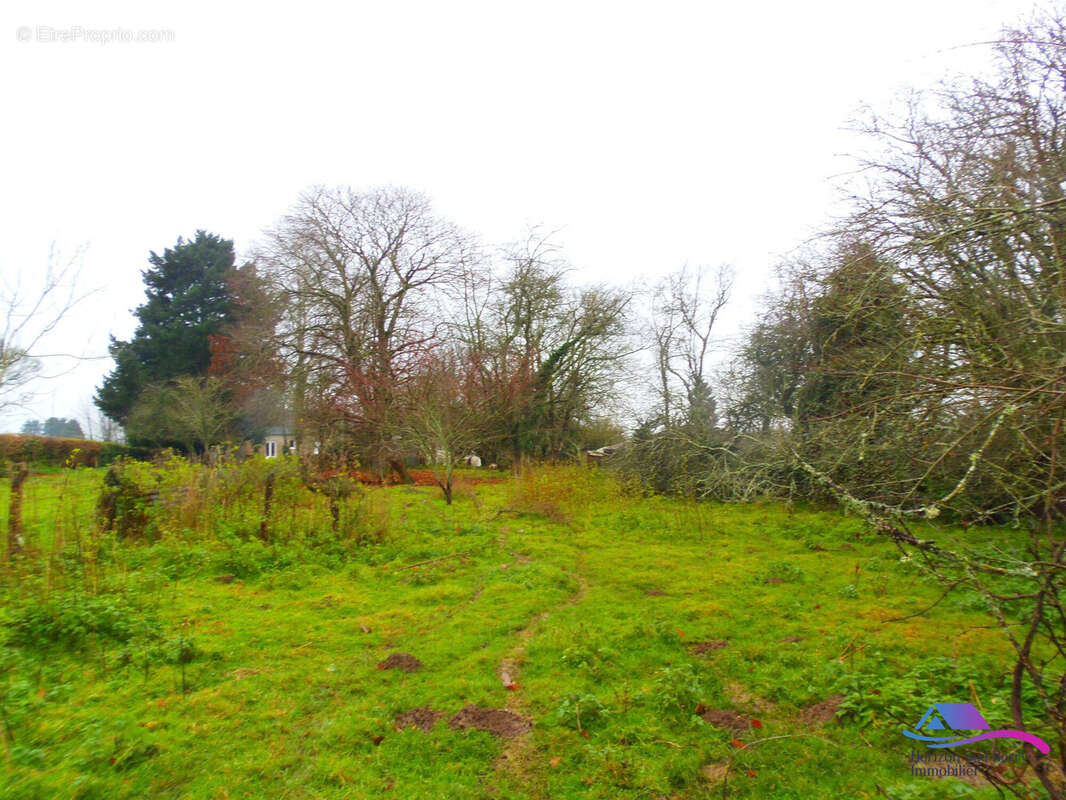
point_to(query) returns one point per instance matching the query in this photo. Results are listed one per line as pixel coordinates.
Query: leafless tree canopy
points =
(27, 317)
(360, 277)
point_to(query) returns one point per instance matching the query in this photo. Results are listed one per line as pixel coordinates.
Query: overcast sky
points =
(650, 135)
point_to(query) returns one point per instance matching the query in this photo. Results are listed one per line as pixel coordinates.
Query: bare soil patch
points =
(716, 773)
(726, 719)
(740, 697)
(401, 661)
(498, 721)
(709, 646)
(423, 718)
(823, 712)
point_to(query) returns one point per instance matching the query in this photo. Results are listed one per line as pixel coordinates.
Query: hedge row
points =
(53, 451)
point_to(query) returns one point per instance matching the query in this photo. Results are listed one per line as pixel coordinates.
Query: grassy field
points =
(566, 639)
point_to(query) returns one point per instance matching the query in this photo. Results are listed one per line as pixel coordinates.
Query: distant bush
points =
(51, 451)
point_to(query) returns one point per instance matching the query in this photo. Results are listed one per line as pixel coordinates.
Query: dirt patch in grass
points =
(740, 697)
(716, 773)
(401, 661)
(726, 719)
(794, 639)
(823, 712)
(709, 646)
(423, 718)
(241, 673)
(655, 593)
(774, 581)
(498, 721)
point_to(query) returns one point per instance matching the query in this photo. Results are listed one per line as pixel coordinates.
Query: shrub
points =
(51, 451)
(144, 500)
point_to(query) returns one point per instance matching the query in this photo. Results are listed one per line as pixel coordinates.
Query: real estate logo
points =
(956, 717)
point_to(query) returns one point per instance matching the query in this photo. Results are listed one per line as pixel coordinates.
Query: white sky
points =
(650, 134)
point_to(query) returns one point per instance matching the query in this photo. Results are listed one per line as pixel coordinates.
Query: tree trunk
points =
(396, 465)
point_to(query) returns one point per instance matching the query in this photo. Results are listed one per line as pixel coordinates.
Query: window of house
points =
(271, 449)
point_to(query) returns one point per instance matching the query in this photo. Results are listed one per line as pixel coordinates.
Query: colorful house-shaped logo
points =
(952, 717)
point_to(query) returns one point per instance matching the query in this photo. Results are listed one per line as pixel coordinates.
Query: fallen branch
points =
(434, 560)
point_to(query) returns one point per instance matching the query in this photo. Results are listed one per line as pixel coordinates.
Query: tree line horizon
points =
(369, 324)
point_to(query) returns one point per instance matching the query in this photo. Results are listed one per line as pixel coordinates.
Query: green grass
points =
(595, 604)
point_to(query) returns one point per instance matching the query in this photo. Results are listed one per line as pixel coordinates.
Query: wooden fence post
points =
(15, 541)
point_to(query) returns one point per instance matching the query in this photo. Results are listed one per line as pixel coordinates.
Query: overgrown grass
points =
(620, 620)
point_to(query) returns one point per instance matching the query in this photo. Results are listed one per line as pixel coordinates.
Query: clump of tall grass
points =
(564, 494)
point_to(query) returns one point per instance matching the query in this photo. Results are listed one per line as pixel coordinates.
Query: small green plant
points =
(589, 658)
(182, 650)
(781, 572)
(580, 711)
(678, 688)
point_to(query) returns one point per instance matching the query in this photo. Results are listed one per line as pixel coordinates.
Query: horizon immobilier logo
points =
(956, 717)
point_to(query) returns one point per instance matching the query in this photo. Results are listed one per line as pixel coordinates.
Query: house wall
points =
(275, 445)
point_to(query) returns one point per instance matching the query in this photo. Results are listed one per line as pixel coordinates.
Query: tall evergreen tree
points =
(189, 299)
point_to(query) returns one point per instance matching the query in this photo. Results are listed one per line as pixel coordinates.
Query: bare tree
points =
(544, 353)
(360, 276)
(933, 383)
(442, 416)
(27, 317)
(685, 309)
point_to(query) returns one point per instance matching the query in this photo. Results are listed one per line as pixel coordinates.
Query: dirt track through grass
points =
(519, 758)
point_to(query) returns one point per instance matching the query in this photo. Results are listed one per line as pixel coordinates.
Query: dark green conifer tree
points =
(188, 300)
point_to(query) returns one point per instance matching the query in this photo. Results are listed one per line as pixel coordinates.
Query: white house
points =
(277, 441)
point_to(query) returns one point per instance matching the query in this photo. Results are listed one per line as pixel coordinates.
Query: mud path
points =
(518, 762)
